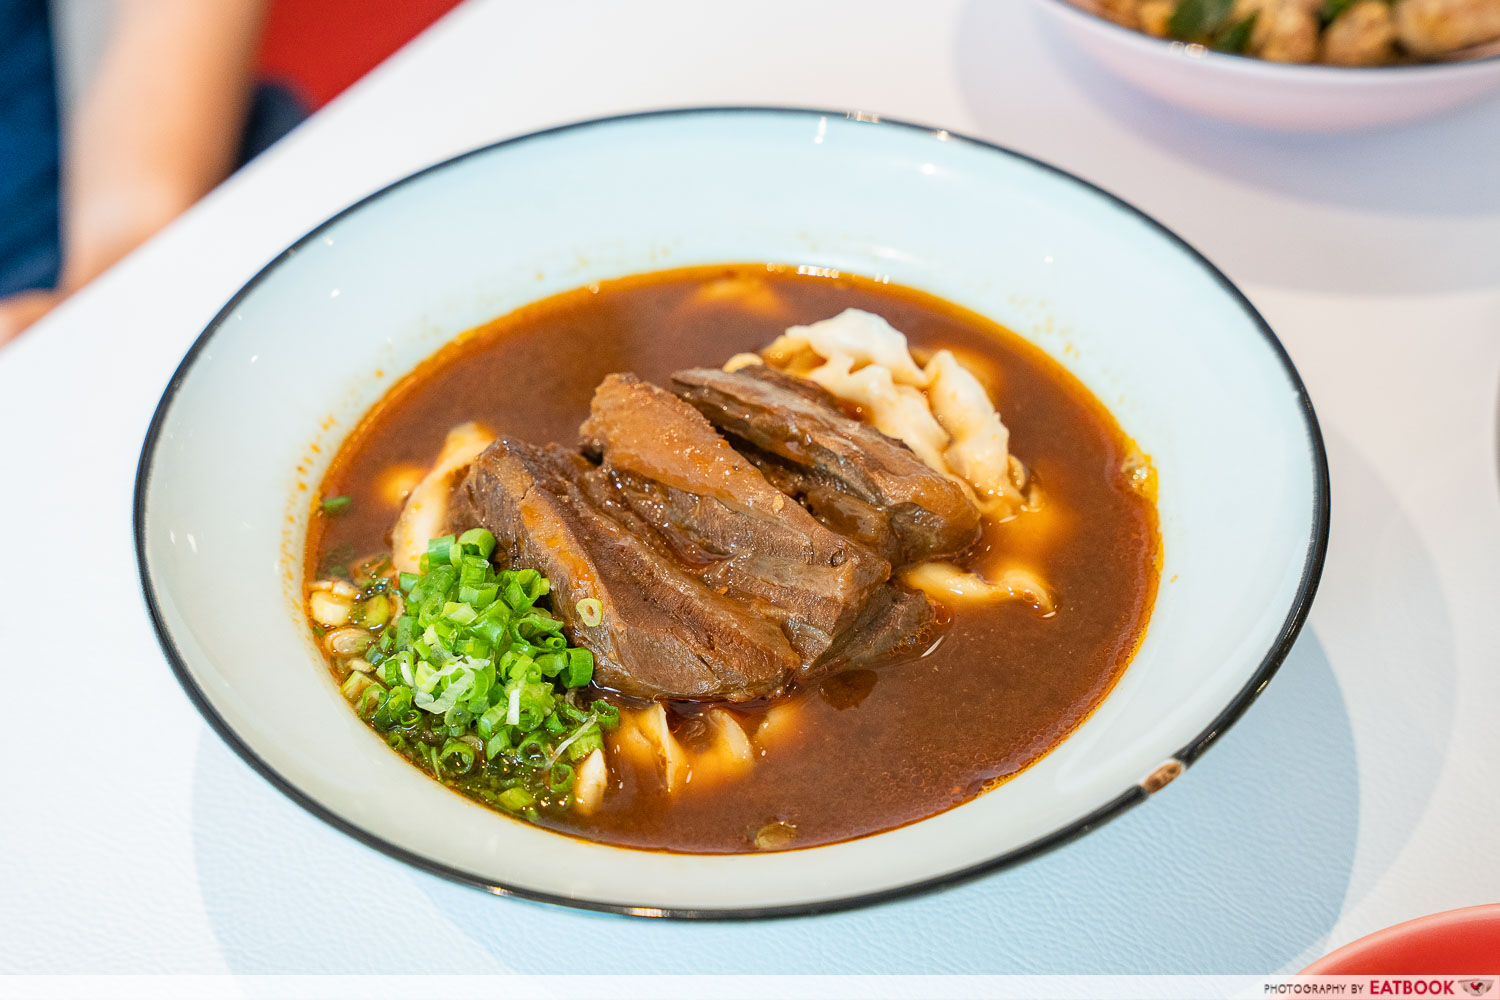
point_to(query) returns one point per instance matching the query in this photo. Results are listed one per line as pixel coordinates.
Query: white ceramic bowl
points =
(1273, 95)
(1188, 367)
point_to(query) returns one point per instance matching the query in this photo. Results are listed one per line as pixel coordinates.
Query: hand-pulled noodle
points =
(980, 447)
(425, 515)
(946, 582)
(941, 412)
(646, 741)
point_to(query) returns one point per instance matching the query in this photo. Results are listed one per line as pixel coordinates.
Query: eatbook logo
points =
(1478, 987)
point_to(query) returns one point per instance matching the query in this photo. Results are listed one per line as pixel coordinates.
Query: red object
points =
(1458, 942)
(319, 47)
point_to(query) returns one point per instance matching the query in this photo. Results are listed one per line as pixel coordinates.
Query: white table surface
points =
(1358, 791)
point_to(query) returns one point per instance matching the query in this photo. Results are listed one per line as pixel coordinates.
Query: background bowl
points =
(1272, 95)
(1454, 942)
(261, 402)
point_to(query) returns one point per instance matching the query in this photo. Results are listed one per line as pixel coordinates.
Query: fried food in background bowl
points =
(1298, 65)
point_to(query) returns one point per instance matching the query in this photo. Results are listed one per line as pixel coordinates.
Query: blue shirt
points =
(29, 242)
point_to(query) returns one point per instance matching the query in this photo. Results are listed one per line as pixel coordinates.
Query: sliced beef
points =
(896, 622)
(665, 633)
(836, 508)
(801, 386)
(716, 584)
(717, 513)
(827, 454)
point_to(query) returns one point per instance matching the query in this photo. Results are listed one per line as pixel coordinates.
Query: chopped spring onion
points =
(354, 686)
(374, 612)
(478, 542)
(577, 733)
(609, 715)
(517, 798)
(470, 675)
(560, 777)
(334, 506)
(365, 694)
(590, 611)
(580, 669)
(456, 757)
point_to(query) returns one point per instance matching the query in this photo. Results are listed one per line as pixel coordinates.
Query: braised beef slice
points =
(664, 633)
(895, 623)
(801, 386)
(718, 514)
(715, 584)
(836, 508)
(828, 455)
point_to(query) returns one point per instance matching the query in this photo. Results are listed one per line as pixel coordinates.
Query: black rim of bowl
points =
(1318, 68)
(1296, 615)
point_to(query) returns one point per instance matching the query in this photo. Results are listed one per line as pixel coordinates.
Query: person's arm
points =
(157, 128)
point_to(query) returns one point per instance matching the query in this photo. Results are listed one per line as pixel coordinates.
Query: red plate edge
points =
(1455, 942)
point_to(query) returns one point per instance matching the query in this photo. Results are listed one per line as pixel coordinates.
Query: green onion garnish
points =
(590, 611)
(580, 668)
(517, 798)
(560, 777)
(334, 506)
(456, 757)
(475, 681)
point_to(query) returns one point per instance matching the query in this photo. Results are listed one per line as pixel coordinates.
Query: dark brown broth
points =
(883, 747)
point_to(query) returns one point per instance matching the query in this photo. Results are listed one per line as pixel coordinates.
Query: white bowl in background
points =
(1301, 98)
(1188, 367)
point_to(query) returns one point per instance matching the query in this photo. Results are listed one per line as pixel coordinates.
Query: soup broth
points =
(865, 749)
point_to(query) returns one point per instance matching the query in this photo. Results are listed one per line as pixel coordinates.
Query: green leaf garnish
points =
(1199, 20)
(1333, 8)
(1236, 38)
